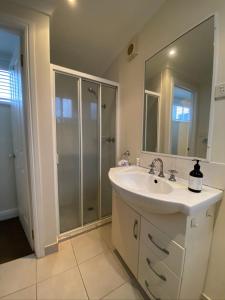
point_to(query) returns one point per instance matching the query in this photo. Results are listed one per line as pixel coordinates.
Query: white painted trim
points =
(28, 29)
(100, 153)
(84, 75)
(8, 214)
(81, 154)
(205, 297)
(151, 93)
(117, 145)
(52, 248)
(214, 80)
(55, 154)
(88, 227)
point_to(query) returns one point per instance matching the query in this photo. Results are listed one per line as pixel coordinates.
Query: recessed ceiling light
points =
(72, 2)
(172, 52)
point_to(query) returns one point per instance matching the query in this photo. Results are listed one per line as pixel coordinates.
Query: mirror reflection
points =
(178, 83)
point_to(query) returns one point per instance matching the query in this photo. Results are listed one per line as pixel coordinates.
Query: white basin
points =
(159, 195)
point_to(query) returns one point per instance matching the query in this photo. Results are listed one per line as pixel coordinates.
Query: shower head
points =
(92, 91)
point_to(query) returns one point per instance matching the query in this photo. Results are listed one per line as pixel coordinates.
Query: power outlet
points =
(220, 91)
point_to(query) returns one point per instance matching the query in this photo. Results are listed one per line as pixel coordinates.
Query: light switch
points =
(220, 91)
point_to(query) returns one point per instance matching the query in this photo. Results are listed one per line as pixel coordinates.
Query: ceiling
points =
(90, 35)
(43, 6)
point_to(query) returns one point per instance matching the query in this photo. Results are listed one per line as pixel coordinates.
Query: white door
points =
(20, 148)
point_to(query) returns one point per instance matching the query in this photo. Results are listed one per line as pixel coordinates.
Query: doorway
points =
(16, 239)
(183, 125)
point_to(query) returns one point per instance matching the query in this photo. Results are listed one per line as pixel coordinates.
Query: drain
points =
(156, 181)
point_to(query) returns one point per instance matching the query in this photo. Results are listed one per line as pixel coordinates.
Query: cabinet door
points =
(126, 232)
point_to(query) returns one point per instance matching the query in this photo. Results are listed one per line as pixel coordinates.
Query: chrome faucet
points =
(152, 166)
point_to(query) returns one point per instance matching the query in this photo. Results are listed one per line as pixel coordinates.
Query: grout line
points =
(17, 291)
(67, 269)
(79, 270)
(88, 259)
(113, 290)
(36, 278)
(54, 275)
(108, 249)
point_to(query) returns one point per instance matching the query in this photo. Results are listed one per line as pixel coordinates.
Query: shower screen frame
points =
(101, 81)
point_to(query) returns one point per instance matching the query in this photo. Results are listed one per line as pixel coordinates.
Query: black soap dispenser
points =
(195, 178)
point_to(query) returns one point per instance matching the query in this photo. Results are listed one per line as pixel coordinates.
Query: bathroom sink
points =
(142, 182)
(159, 195)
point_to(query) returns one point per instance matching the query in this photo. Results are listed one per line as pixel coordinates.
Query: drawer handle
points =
(134, 229)
(147, 286)
(160, 248)
(154, 271)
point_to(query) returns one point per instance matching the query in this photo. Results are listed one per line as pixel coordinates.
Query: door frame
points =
(100, 81)
(27, 29)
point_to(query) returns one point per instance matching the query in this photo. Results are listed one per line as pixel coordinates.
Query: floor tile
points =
(105, 232)
(125, 292)
(67, 285)
(17, 274)
(102, 274)
(88, 245)
(25, 294)
(57, 262)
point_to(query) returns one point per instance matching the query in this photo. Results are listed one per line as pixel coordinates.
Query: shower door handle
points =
(108, 139)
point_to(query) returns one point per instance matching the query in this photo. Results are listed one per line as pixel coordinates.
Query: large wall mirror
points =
(177, 101)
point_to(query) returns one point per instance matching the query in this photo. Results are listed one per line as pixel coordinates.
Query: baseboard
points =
(205, 297)
(8, 214)
(51, 248)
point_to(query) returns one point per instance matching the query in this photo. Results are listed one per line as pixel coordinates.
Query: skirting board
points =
(8, 214)
(205, 297)
(51, 248)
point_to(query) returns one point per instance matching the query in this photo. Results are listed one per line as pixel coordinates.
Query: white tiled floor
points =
(84, 268)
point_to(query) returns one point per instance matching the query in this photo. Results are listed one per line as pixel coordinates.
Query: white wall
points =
(42, 61)
(173, 19)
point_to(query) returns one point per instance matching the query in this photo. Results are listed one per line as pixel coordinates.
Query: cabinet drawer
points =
(155, 277)
(167, 251)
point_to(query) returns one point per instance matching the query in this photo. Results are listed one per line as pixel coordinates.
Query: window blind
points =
(5, 86)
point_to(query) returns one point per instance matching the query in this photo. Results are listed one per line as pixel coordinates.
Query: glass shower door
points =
(68, 149)
(90, 152)
(108, 120)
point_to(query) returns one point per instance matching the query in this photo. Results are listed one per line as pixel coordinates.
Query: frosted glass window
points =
(93, 111)
(67, 108)
(181, 114)
(182, 105)
(64, 108)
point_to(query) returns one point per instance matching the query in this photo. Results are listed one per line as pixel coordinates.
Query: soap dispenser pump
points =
(195, 178)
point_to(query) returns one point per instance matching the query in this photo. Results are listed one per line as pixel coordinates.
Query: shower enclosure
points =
(85, 114)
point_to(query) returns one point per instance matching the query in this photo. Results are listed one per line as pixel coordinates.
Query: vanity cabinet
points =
(126, 233)
(168, 254)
